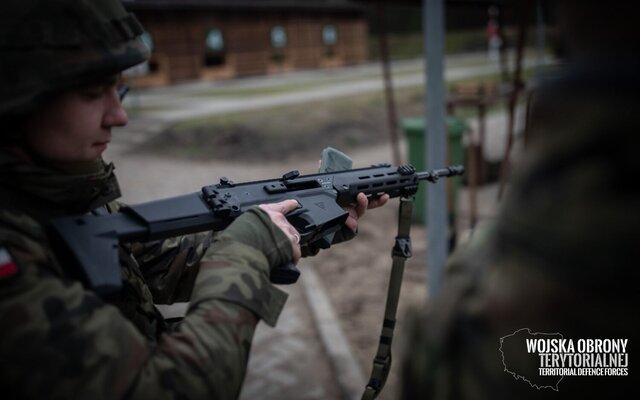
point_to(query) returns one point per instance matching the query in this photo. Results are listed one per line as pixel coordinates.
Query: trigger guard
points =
(298, 220)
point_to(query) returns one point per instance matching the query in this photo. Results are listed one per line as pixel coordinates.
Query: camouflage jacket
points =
(558, 258)
(62, 341)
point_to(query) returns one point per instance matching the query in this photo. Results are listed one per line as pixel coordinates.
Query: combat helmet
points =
(47, 46)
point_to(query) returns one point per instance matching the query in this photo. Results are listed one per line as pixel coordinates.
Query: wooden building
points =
(216, 39)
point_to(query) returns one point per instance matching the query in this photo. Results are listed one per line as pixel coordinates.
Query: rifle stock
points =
(91, 242)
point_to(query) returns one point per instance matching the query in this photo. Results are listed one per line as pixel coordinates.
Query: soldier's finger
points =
(282, 207)
(294, 238)
(362, 203)
(297, 253)
(352, 223)
(379, 202)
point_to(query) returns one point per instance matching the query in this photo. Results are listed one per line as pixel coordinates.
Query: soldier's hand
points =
(276, 212)
(361, 206)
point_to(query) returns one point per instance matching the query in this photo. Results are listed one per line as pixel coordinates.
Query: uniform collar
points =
(55, 188)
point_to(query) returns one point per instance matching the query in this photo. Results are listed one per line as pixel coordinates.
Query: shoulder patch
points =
(8, 268)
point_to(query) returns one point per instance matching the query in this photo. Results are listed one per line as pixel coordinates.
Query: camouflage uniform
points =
(561, 255)
(58, 338)
(62, 341)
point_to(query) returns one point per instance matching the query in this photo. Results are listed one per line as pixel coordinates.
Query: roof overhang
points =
(246, 5)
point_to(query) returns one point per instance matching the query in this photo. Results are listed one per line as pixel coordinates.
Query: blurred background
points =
(253, 89)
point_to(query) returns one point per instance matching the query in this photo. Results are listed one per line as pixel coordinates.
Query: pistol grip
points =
(285, 274)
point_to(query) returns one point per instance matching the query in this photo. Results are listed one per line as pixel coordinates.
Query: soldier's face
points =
(76, 126)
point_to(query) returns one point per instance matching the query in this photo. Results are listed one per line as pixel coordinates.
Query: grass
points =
(277, 133)
(295, 87)
(407, 98)
(299, 130)
(254, 91)
(411, 45)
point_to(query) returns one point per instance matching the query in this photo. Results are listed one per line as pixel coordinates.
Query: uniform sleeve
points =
(59, 340)
(556, 260)
(170, 266)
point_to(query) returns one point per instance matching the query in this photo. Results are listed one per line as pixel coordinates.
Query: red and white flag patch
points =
(7, 267)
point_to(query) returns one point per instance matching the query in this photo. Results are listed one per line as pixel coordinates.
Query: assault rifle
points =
(91, 241)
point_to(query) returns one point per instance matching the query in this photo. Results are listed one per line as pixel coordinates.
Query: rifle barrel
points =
(439, 173)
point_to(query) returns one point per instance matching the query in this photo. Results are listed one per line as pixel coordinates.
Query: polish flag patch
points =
(7, 267)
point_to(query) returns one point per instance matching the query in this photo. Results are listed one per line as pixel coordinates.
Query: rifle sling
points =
(401, 251)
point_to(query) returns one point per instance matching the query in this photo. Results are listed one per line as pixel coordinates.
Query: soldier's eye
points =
(122, 91)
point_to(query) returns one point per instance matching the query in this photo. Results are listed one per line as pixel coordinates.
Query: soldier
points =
(561, 256)
(59, 101)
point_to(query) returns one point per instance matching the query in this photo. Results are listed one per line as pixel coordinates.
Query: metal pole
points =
(435, 151)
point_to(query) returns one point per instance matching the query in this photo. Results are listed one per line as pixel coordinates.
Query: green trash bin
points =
(413, 129)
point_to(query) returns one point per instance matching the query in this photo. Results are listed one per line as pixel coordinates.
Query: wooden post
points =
(388, 85)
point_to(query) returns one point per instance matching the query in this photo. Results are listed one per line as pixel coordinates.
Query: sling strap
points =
(401, 251)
